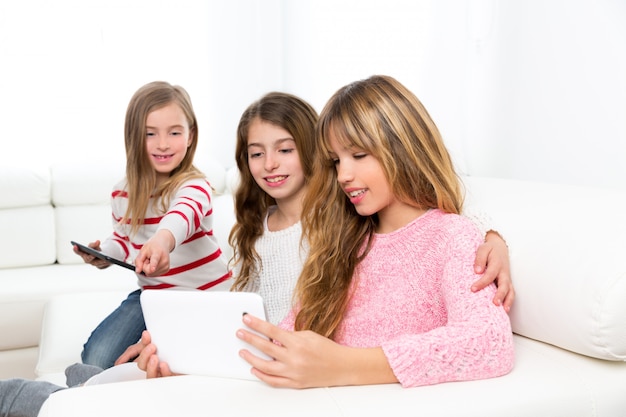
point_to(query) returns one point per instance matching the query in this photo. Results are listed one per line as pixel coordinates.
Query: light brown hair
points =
(382, 117)
(251, 203)
(140, 175)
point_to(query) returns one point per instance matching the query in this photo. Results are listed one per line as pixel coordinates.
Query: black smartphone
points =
(97, 254)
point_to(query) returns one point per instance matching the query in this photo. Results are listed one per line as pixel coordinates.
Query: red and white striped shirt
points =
(196, 261)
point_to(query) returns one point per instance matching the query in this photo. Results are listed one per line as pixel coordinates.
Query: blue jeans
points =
(122, 328)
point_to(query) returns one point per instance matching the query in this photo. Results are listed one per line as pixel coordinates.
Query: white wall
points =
(70, 67)
(559, 100)
(245, 57)
(530, 89)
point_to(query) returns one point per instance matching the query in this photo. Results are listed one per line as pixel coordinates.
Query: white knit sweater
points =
(282, 257)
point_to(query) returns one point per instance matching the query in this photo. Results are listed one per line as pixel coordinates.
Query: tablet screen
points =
(195, 331)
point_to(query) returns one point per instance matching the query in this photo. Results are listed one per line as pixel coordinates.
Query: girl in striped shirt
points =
(162, 216)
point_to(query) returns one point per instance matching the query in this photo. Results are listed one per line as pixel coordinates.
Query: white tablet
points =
(195, 331)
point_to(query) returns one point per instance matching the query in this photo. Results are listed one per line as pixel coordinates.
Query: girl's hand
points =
(154, 256)
(492, 260)
(132, 352)
(90, 259)
(305, 359)
(147, 360)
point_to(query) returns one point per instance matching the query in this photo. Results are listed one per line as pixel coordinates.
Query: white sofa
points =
(41, 211)
(567, 257)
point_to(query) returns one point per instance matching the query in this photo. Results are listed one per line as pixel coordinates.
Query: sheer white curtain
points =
(523, 89)
(245, 55)
(422, 43)
(526, 89)
(69, 68)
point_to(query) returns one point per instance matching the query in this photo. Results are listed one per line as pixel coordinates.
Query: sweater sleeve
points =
(476, 341)
(117, 243)
(187, 208)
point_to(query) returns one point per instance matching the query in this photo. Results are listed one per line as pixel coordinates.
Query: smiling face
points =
(274, 161)
(362, 178)
(167, 139)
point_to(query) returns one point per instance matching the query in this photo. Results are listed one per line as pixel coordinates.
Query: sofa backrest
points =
(26, 217)
(43, 209)
(568, 261)
(567, 243)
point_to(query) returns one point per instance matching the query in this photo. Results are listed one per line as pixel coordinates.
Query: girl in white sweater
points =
(385, 292)
(274, 155)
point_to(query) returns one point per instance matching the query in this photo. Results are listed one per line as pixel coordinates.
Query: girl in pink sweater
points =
(384, 295)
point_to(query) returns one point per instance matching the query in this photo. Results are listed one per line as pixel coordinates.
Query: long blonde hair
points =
(140, 175)
(251, 203)
(382, 117)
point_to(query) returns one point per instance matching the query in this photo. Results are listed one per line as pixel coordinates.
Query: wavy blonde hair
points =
(382, 117)
(251, 203)
(140, 175)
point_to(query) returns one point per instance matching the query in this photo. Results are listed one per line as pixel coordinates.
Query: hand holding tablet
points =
(195, 331)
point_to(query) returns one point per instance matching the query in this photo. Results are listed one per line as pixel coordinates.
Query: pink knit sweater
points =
(413, 298)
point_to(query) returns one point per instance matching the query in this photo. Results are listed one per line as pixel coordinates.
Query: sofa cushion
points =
(546, 381)
(24, 186)
(25, 291)
(82, 184)
(58, 348)
(26, 217)
(80, 223)
(567, 246)
(28, 236)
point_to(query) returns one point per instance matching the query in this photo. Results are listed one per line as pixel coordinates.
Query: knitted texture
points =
(411, 296)
(282, 257)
